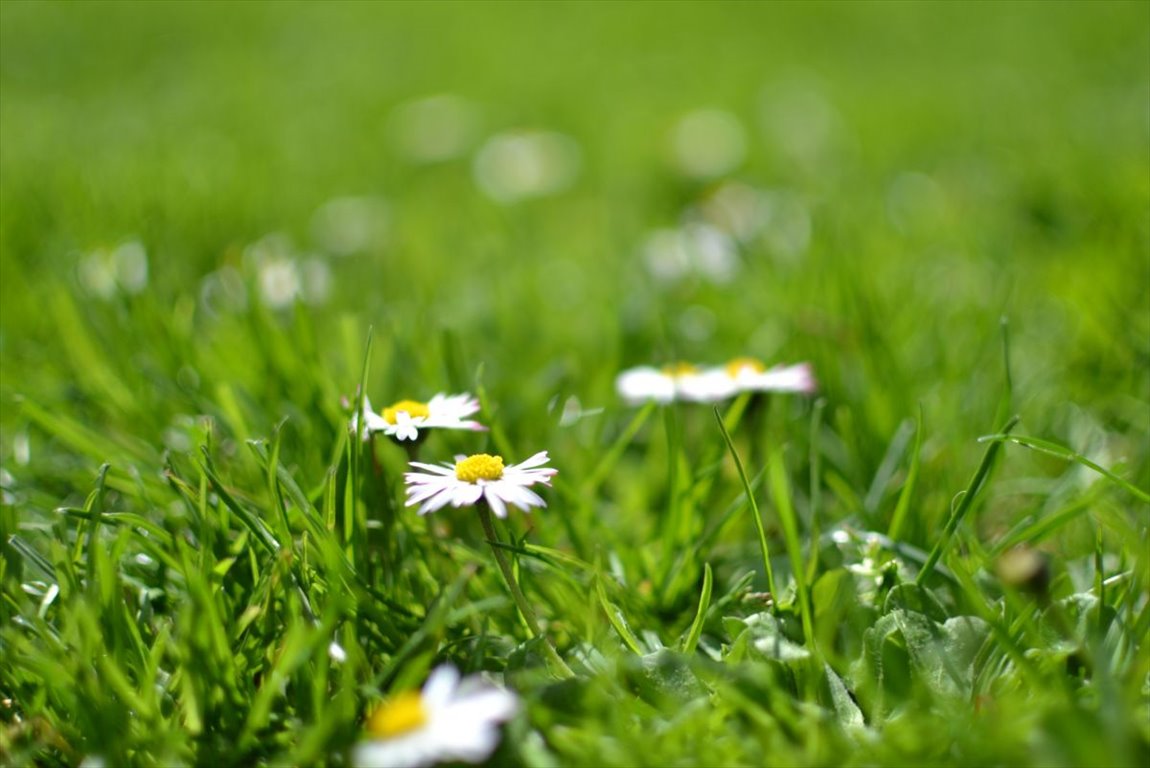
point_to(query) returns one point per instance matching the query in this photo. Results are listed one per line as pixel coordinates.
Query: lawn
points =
(225, 227)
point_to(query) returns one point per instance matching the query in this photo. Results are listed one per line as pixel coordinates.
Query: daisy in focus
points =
(403, 420)
(450, 720)
(481, 476)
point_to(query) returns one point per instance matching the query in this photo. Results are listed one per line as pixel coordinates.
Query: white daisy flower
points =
(750, 375)
(681, 381)
(481, 476)
(450, 720)
(403, 420)
(711, 385)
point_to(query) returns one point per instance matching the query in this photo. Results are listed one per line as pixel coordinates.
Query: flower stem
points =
(517, 594)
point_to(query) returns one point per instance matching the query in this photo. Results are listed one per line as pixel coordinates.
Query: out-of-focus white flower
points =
(671, 254)
(279, 281)
(96, 274)
(435, 128)
(707, 143)
(449, 720)
(104, 273)
(481, 476)
(736, 208)
(681, 381)
(130, 264)
(348, 225)
(516, 166)
(403, 420)
(283, 274)
(315, 280)
(778, 218)
(709, 385)
(7, 484)
(22, 448)
(746, 374)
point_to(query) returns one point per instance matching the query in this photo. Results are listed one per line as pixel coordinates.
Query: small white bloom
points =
(516, 166)
(481, 476)
(710, 385)
(663, 385)
(749, 375)
(449, 720)
(403, 420)
(693, 249)
(707, 143)
(279, 280)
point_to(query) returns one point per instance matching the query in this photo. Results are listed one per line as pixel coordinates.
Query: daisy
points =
(747, 374)
(403, 420)
(450, 720)
(681, 381)
(481, 476)
(711, 385)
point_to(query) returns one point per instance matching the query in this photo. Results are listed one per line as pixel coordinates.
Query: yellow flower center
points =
(740, 364)
(400, 714)
(413, 409)
(680, 369)
(481, 466)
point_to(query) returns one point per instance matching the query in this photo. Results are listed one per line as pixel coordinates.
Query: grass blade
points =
(898, 519)
(959, 512)
(692, 640)
(1062, 452)
(754, 510)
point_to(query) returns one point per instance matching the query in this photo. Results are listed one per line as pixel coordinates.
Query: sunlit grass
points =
(223, 229)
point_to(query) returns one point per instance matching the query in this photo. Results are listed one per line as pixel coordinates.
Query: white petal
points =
(518, 495)
(537, 460)
(475, 701)
(794, 378)
(709, 386)
(466, 494)
(438, 501)
(465, 742)
(529, 476)
(496, 503)
(417, 493)
(645, 383)
(440, 686)
(411, 751)
(439, 469)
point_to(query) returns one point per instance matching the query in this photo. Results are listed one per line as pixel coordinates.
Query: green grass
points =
(186, 527)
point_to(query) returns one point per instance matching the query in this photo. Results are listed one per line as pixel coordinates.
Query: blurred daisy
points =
(746, 374)
(708, 385)
(450, 720)
(403, 420)
(481, 476)
(681, 381)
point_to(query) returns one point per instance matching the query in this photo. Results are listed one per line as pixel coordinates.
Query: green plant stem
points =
(755, 516)
(517, 594)
(959, 512)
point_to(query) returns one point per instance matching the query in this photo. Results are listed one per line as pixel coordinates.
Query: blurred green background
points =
(919, 172)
